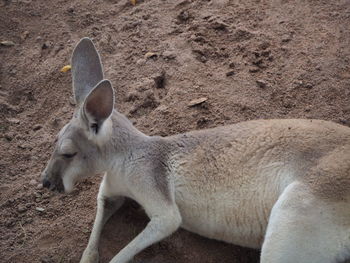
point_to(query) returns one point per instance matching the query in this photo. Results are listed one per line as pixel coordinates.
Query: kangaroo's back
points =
(228, 178)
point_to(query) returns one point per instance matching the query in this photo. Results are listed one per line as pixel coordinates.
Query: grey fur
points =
(86, 69)
(267, 183)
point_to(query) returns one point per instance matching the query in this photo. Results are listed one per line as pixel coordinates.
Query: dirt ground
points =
(251, 59)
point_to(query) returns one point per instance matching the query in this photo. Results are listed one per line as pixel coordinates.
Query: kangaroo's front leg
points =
(105, 209)
(164, 221)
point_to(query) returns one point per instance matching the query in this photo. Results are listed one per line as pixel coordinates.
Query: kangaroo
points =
(282, 186)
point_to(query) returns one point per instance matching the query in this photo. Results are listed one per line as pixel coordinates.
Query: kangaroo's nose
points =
(46, 183)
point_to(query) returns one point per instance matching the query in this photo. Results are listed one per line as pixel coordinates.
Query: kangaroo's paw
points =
(89, 256)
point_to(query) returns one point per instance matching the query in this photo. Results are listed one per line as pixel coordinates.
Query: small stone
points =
(33, 182)
(254, 70)
(196, 102)
(7, 43)
(37, 127)
(28, 220)
(159, 80)
(22, 146)
(8, 137)
(72, 101)
(46, 45)
(230, 73)
(261, 84)
(343, 121)
(40, 209)
(149, 55)
(13, 71)
(65, 110)
(308, 108)
(141, 61)
(183, 16)
(10, 222)
(24, 35)
(308, 86)
(163, 109)
(169, 55)
(14, 120)
(221, 26)
(46, 259)
(21, 209)
(146, 16)
(39, 186)
(286, 38)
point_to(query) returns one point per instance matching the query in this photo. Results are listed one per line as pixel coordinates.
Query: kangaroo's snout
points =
(52, 184)
(46, 183)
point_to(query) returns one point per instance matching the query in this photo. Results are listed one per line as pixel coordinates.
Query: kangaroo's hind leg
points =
(106, 206)
(306, 229)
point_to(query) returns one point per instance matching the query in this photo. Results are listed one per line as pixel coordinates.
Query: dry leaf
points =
(197, 101)
(133, 2)
(66, 68)
(150, 55)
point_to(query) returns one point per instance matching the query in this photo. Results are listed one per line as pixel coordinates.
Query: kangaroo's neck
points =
(124, 137)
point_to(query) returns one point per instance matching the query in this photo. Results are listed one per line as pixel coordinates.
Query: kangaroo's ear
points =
(86, 69)
(98, 105)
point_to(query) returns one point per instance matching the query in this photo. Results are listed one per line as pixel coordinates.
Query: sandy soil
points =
(251, 59)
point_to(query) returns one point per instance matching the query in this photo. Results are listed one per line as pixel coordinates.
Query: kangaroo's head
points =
(80, 144)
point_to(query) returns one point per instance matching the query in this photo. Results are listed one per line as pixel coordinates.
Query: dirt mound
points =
(251, 59)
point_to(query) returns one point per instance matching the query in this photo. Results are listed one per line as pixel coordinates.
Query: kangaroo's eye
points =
(69, 155)
(94, 127)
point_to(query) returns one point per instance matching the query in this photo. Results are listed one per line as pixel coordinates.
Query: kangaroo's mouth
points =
(54, 186)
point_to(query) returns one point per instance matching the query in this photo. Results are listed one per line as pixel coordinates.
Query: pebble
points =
(28, 220)
(218, 25)
(169, 55)
(33, 182)
(308, 86)
(7, 43)
(286, 38)
(10, 222)
(65, 110)
(197, 101)
(72, 101)
(21, 209)
(261, 84)
(14, 120)
(8, 137)
(132, 96)
(343, 121)
(254, 70)
(230, 73)
(183, 16)
(162, 109)
(141, 61)
(46, 45)
(37, 127)
(24, 35)
(159, 80)
(40, 209)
